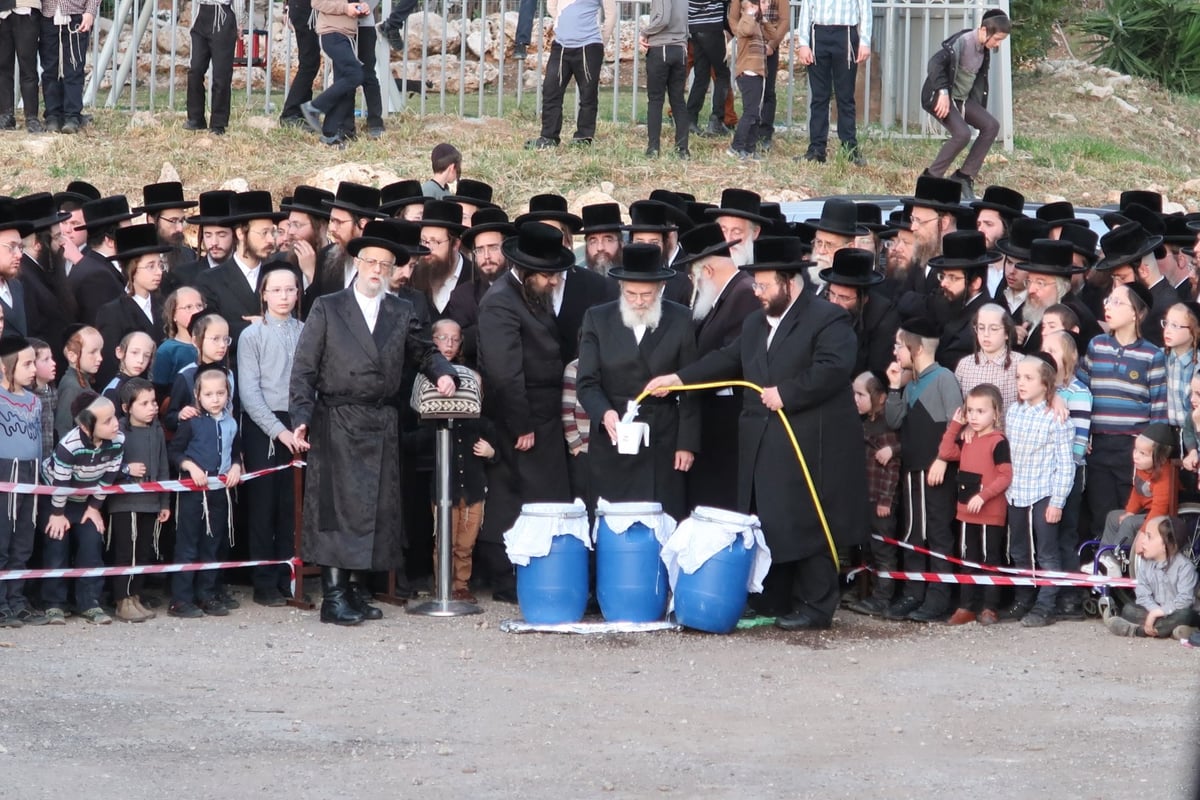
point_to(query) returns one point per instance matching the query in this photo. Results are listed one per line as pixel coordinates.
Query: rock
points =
(1067, 118)
(1191, 187)
(1172, 207)
(260, 123)
(235, 185)
(38, 146)
(365, 174)
(1053, 198)
(1118, 80)
(168, 173)
(1124, 106)
(607, 187)
(143, 119)
(592, 197)
(1099, 92)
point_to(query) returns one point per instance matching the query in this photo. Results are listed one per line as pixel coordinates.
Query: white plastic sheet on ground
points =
(521, 626)
(709, 531)
(534, 531)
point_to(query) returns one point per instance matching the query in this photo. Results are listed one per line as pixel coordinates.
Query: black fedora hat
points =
(40, 210)
(965, 250)
(77, 192)
(965, 218)
(247, 206)
(739, 203)
(538, 247)
(162, 196)
(1021, 235)
(839, 216)
(852, 266)
(923, 327)
(674, 216)
(491, 218)
(473, 193)
(641, 261)
(408, 233)
(443, 214)
(676, 203)
(778, 253)
(1176, 231)
(1056, 213)
(359, 200)
(900, 219)
(308, 200)
(870, 216)
(214, 208)
(697, 212)
(1051, 257)
(940, 194)
(552, 207)
(1006, 202)
(399, 194)
(10, 220)
(106, 211)
(1126, 245)
(701, 242)
(138, 240)
(1151, 200)
(1082, 239)
(601, 218)
(381, 233)
(649, 217)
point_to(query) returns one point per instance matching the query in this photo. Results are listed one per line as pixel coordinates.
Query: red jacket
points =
(984, 468)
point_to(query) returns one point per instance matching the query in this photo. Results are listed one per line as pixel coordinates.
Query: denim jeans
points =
(62, 79)
(1032, 540)
(337, 101)
(88, 544)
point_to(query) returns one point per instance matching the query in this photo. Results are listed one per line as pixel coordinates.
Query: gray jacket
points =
(1169, 585)
(668, 23)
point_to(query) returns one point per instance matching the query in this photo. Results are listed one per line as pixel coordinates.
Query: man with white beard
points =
(624, 344)
(1050, 265)
(741, 221)
(836, 230)
(724, 298)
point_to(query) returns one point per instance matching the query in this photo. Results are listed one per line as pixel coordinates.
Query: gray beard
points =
(706, 297)
(741, 253)
(600, 264)
(1031, 314)
(650, 317)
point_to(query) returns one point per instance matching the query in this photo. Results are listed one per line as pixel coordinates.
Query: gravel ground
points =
(271, 702)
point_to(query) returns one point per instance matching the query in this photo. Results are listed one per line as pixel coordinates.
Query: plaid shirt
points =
(882, 479)
(1179, 375)
(49, 398)
(1041, 455)
(989, 370)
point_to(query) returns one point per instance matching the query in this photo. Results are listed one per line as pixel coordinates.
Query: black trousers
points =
(214, 38)
(197, 542)
(308, 55)
(708, 61)
(132, 536)
(833, 72)
(929, 523)
(983, 544)
(666, 72)
(62, 78)
(270, 506)
(748, 131)
(1109, 477)
(337, 101)
(564, 64)
(17, 529)
(19, 35)
(766, 121)
(809, 585)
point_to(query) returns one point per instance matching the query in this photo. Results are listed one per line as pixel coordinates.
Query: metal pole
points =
(141, 21)
(442, 605)
(174, 53)
(101, 62)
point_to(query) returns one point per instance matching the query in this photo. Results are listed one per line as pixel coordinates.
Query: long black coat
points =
(94, 281)
(876, 329)
(521, 362)
(463, 308)
(582, 290)
(49, 305)
(345, 386)
(16, 320)
(810, 361)
(613, 369)
(120, 317)
(225, 289)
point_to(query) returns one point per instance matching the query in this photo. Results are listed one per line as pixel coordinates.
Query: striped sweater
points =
(79, 463)
(1128, 385)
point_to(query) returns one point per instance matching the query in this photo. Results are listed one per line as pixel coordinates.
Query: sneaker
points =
(764, 146)
(292, 122)
(717, 128)
(540, 143)
(683, 155)
(228, 600)
(31, 616)
(53, 124)
(1193, 640)
(56, 616)
(72, 126)
(375, 133)
(581, 141)
(520, 51)
(1182, 633)
(312, 116)
(336, 142)
(216, 130)
(8, 619)
(34, 126)
(738, 154)
(696, 130)
(96, 616)
(902, 608)
(393, 36)
(816, 158)
(185, 610)
(193, 125)
(1112, 568)
(213, 607)
(1037, 619)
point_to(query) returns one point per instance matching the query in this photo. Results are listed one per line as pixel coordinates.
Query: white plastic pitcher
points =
(631, 436)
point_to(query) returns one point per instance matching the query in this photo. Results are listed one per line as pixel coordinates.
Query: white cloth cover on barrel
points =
(534, 531)
(622, 516)
(709, 531)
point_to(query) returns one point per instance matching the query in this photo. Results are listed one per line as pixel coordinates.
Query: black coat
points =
(120, 317)
(49, 305)
(225, 290)
(811, 362)
(463, 308)
(1088, 327)
(16, 320)
(958, 336)
(94, 281)
(613, 369)
(345, 387)
(1165, 296)
(583, 289)
(876, 328)
(187, 274)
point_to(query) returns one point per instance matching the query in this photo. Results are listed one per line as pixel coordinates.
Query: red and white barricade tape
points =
(150, 487)
(149, 569)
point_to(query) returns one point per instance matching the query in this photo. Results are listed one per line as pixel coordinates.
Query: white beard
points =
(650, 317)
(742, 253)
(813, 279)
(706, 297)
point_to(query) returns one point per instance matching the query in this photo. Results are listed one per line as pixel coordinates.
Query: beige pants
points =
(465, 521)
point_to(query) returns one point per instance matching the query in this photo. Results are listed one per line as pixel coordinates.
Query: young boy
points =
(447, 168)
(922, 398)
(47, 392)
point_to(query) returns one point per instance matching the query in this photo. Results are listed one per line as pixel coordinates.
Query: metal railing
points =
(457, 60)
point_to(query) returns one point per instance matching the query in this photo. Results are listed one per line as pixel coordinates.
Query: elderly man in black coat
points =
(624, 344)
(800, 349)
(345, 390)
(520, 358)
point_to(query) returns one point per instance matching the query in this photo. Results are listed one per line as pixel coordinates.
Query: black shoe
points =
(505, 596)
(520, 51)
(1071, 610)
(683, 155)
(902, 608)
(335, 606)
(540, 143)
(270, 599)
(312, 117)
(213, 607)
(717, 128)
(871, 606)
(360, 600)
(800, 621)
(764, 145)
(581, 141)
(226, 599)
(923, 614)
(193, 125)
(818, 158)
(30, 616)
(855, 157)
(71, 126)
(393, 35)
(336, 142)
(8, 122)
(34, 126)
(185, 610)
(1037, 619)
(292, 122)
(968, 184)
(217, 130)
(652, 152)
(1014, 612)
(376, 132)
(696, 130)
(54, 124)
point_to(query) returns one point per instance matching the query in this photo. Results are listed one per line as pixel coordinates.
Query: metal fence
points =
(477, 76)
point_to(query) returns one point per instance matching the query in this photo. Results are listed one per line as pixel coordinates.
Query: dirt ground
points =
(269, 702)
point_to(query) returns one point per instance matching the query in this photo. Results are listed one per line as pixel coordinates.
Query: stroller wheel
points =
(1091, 607)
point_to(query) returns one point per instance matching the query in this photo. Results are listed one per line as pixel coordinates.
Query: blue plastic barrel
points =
(631, 579)
(712, 598)
(553, 589)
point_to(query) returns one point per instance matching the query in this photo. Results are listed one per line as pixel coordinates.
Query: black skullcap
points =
(13, 344)
(1046, 358)
(83, 400)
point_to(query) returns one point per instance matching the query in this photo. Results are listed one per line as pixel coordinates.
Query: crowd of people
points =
(1019, 383)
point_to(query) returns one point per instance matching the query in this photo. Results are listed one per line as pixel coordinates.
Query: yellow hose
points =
(787, 426)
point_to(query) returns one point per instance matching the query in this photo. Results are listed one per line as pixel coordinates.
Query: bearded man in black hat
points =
(651, 226)
(482, 240)
(994, 214)
(602, 236)
(164, 207)
(1049, 270)
(349, 364)
(624, 344)
(351, 208)
(443, 268)
(49, 304)
(962, 273)
(215, 238)
(307, 228)
(96, 279)
(933, 207)
(741, 221)
(520, 358)
(852, 283)
(800, 348)
(837, 229)
(12, 294)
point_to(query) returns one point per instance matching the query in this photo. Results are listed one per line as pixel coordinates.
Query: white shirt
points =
(249, 273)
(556, 295)
(144, 305)
(6, 294)
(441, 295)
(349, 273)
(369, 307)
(774, 322)
(638, 332)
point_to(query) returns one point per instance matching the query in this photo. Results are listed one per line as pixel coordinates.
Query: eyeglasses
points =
(989, 328)
(295, 224)
(1038, 283)
(1173, 326)
(12, 247)
(823, 245)
(174, 222)
(640, 296)
(916, 223)
(190, 307)
(374, 263)
(841, 298)
(951, 277)
(432, 243)
(284, 290)
(264, 232)
(225, 340)
(484, 249)
(1112, 301)
(447, 338)
(153, 266)
(761, 287)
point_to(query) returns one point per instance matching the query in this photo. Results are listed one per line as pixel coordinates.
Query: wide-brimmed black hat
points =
(106, 211)
(214, 208)
(473, 193)
(839, 216)
(940, 194)
(852, 266)
(1056, 213)
(1006, 202)
(739, 203)
(382, 233)
(676, 203)
(1126, 245)
(10, 220)
(900, 219)
(551, 207)
(1176, 231)
(399, 194)
(1151, 200)
(965, 250)
(1083, 240)
(1021, 235)
(701, 242)
(162, 196)
(308, 200)
(641, 261)
(491, 218)
(698, 212)
(409, 234)
(538, 247)
(359, 200)
(870, 216)
(443, 214)
(41, 211)
(247, 206)
(77, 192)
(138, 240)
(601, 218)
(1054, 257)
(778, 253)
(649, 217)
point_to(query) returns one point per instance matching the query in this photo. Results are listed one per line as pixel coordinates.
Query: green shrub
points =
(1154, 39)
(1033, 27)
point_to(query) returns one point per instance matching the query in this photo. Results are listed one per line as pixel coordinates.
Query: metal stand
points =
(442, 605)
(299, 599)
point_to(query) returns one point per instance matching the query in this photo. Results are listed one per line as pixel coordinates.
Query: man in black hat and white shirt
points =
(851, 282)
(836, 229)
(741, 221)
(1129, 258)
(96, 279)
(443, 268)
(351, 208)
(649, 225)
(994, 214)
(307, 228)
(215, 238)
(49, 304)
(12, 294)
(932, 215)
(482, 240)
(1049, 269)
(164, 206)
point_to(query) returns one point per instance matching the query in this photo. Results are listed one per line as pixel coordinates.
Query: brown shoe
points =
(127, 611)
(988, 617)
(463, 595)
(146, 612)
(961, 617)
